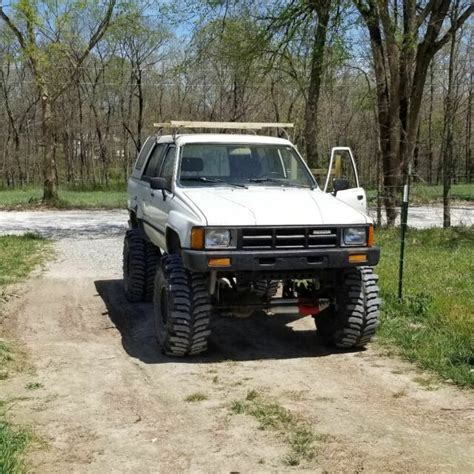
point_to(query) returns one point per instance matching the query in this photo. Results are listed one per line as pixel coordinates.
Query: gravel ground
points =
(64, 224)
(100, 224)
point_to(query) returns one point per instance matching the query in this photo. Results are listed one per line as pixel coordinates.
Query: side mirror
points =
(340, 184)
(158, 183)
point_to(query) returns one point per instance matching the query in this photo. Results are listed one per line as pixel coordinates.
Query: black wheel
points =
(266, 289)
(355, 317)
(134, 266)
(182, 308)
(152, 257)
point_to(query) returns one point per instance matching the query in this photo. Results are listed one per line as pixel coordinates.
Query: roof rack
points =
(175, 125)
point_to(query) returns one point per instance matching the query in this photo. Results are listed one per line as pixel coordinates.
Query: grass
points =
(13, 442)
(18, 256)
(272, 416)
(196, 397)
(433, 326)
(6, 357)
(424, 194)
(30, 198)
(89, 197)
(34, 385)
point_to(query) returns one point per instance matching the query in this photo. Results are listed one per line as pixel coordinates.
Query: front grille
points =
(287, 238)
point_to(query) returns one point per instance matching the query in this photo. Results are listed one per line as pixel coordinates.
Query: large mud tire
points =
(153, 256)
(355, 318)
(182, 308)
(266, 289)
(134, 266)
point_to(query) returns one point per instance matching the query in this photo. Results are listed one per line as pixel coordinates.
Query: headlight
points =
(355, 236)
(219, 238)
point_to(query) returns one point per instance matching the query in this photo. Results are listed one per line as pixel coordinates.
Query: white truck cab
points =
(240, 213)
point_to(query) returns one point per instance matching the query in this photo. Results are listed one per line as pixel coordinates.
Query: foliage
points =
(19, 255)
(433, 325)
(13, 442)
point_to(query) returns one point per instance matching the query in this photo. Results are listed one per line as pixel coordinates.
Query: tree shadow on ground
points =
(254, 338)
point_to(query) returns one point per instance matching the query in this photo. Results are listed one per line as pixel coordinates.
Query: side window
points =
(167, 168)
(150, 141)
(342, 167)
(154, 163)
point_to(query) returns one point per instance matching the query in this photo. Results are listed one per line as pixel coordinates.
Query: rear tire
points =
(182, 308)
(355, 318)
(152, 255)
(134, 266)
(266, 289)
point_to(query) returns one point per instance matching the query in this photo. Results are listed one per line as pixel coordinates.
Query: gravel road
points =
(99, 224)
(109, 401)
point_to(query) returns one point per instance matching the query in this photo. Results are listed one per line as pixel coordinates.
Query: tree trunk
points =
(448, 134)
(322, 8)
(430, 126)
(468, 157)
(50, 186)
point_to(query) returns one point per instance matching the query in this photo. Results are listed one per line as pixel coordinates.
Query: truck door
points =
(342, 179)
(157, 202)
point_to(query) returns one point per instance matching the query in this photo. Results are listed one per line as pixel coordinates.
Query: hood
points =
(272, 206)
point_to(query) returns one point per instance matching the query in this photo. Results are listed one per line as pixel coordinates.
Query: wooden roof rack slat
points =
(222, 125)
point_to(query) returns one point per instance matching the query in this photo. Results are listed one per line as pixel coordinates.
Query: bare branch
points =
(95, 38)
(457, 24)
(14, 29)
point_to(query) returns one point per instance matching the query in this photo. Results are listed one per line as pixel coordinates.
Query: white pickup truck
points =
(220, 221)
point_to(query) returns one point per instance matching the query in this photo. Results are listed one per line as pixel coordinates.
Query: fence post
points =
(403, 230)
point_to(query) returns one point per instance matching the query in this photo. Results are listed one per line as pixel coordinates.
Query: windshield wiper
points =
(281, 181)
(204, 179)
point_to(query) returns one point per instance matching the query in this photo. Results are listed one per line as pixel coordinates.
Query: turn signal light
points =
(370, 236)
(358, 258)
(219, 262)
(197, 238)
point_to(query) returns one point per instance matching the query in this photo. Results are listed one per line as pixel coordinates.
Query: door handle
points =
(360, 197)
(152, 194)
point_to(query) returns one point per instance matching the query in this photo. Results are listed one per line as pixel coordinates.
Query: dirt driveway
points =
(109, 401)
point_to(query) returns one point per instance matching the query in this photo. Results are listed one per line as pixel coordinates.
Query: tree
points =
(44, 36)
(403, 45)
(323, 11)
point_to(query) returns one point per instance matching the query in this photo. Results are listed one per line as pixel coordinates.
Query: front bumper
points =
(278, 260)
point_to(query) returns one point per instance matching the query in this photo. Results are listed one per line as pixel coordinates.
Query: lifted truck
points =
(220, 221)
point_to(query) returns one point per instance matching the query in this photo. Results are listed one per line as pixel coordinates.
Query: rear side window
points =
(144, 152)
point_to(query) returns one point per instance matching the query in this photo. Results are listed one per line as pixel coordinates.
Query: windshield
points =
(204, 164)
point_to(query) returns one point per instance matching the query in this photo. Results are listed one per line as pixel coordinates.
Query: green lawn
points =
(19, 255)
(13, 442)
(68, 199)
(117, 198)
(423, 194)
(434, 326)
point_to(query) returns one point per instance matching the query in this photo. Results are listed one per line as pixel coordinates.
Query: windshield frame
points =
(248, 184)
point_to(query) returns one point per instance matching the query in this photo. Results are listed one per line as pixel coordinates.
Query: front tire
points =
(182, 308)
(355, 318)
